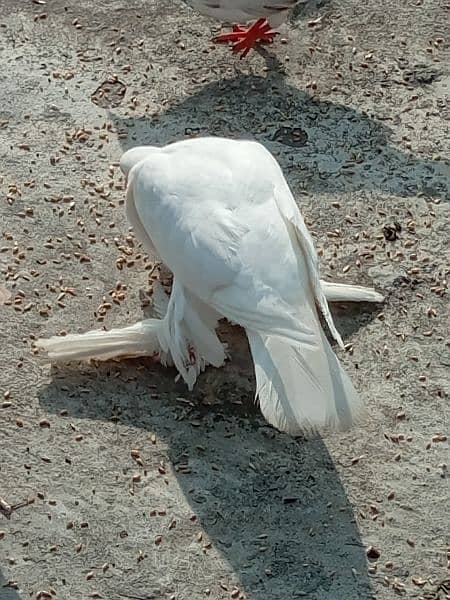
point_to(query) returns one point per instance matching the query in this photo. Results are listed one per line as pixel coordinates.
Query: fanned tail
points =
(301, 389)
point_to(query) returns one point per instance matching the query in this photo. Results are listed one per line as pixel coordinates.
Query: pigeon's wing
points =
(192, 208)
(290, 211)
(292, 215)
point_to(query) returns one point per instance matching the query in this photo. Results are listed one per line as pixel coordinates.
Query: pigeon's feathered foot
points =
(244, 39)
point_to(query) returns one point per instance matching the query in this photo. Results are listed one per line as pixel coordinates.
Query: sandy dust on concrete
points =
(138, 488)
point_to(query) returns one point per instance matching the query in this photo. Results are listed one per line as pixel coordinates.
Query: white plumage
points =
(221, 216)
(244, 11)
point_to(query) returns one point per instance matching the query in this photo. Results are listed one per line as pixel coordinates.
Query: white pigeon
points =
(221, 216)
(265, 16)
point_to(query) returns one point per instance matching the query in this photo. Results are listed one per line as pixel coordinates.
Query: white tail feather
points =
(140, 339)
(185, 337)
(342, 292)
(301, 389)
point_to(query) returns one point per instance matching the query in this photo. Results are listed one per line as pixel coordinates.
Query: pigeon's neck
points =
(133, 156)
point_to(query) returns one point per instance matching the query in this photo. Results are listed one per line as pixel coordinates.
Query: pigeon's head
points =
(133, 157)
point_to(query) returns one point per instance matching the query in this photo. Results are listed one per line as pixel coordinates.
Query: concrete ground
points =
(115, 482)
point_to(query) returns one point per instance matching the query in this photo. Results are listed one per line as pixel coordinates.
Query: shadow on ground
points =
(322, 146)
(6, 591)
(273, 506)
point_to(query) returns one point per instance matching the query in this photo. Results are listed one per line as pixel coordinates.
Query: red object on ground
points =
(244, 39)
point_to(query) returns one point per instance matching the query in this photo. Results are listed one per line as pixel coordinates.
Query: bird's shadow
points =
(273, 506)
(321, 145)
(6, 591)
